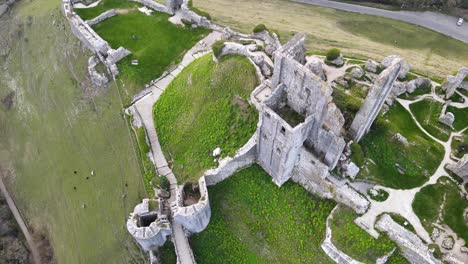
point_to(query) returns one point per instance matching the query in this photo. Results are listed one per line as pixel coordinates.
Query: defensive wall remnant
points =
(375, 99)
(149, 225)
(453, 82)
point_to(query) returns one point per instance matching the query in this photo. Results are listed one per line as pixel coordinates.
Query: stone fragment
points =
(405, 67)
(316, 67)
(217, 152)
(351, 170)
(357, 72)
(447, 119)
(448, 242)
(460, 168)
(371, 66)
(338, 61)
(400, 138)
(453, 82)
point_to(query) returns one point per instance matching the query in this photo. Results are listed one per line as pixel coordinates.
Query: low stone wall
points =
(313, 175)
(194, 18)
(101, 17)
(412, 247)
(243, 158)
(155, 6)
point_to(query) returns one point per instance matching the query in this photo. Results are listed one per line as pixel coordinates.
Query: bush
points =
(260, 28)
(358, 155)
(333, 54)
(161, 182)
(217, 47)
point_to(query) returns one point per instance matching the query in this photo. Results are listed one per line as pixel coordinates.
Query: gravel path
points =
(444, 24)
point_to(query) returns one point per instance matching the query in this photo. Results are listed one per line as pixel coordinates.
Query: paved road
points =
(20, 221)
(144, 107)
(444, 24)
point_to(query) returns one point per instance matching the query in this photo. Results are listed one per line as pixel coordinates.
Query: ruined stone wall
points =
(453, 82)
(374, 101)
(103, 16)
(308, 95)
(243, 158)
(412, 247)
(279, 143)
(152, 236)
(155, 6)
(194, 218)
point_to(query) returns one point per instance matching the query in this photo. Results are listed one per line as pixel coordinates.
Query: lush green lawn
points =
(355, 241)
(154, 42)
(427, 113)
(104, 5)
(254, 221)
(167, 253)
(206, 107)
(380, 146)
(56, 127)
(461, 117)
(428, 201)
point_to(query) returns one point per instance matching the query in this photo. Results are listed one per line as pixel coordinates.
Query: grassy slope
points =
(427, 113)
(385, 151)
(104, 5)
(157, 44)
(354, 241)
(199, 112)
(427, 202)
(254, 221)
(52, 131)
(353, 33)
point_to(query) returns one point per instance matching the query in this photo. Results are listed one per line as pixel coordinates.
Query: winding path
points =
(441, 23)
(20, 221)
(144, 108)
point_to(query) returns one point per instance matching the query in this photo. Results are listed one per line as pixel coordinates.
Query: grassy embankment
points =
(206, 107)
(154, 42)
(354, 241)
(254, 221)
(380, 146)
(442, 198)
(58, 124)
(355, 34)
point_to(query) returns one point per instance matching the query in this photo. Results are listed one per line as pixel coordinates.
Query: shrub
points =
(161, 182)
(437, 253)
(259, 28)
(260, 48)
(358, 154)
(217, 47)
(333, 54)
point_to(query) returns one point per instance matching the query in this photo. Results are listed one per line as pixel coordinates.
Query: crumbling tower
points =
(298, 114)
(374, 101)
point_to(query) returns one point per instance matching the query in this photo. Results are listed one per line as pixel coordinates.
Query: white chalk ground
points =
(83, 6)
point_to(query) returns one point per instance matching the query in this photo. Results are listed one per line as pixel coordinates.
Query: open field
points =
(254, 221)
(57, 131)
(380, 146)
(444, 199)
(427, 113)
(355, 34)
(206, 107)
(355, 241)
(154, 42)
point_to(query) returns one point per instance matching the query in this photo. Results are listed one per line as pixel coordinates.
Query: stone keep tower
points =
(299, 113)
(148, 225)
